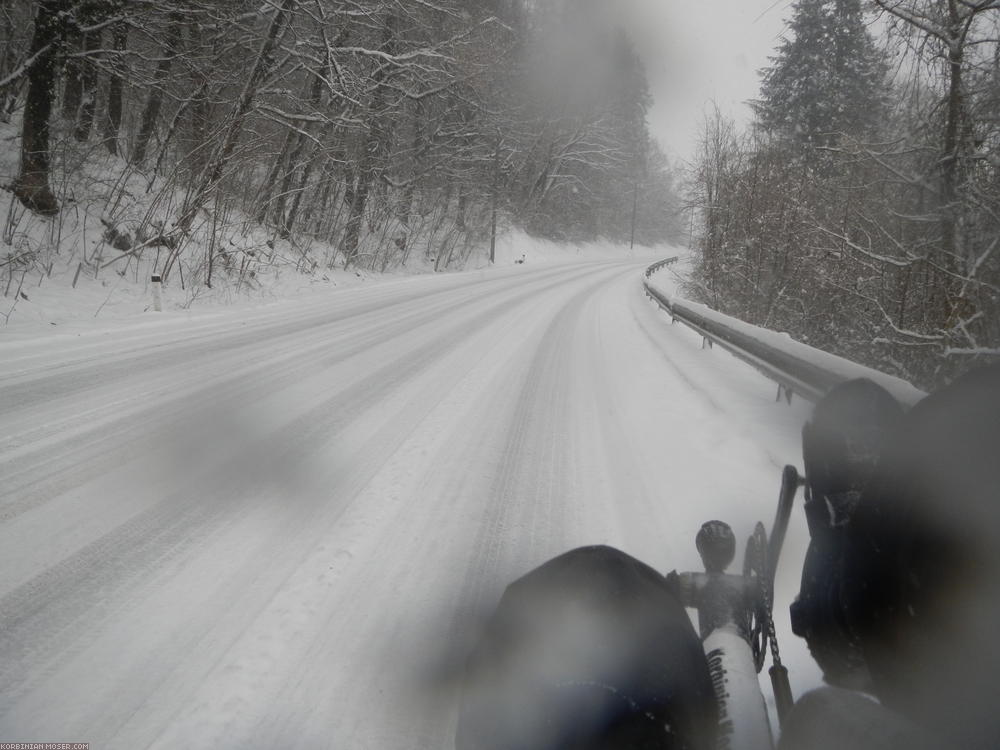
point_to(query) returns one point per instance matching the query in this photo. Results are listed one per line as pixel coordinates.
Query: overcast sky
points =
(697, 51)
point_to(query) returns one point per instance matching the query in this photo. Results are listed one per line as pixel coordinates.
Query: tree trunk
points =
(409, 192)
(200, 115)
(463, 204)
(213, 173)
(151, 112)
(360, 180)
(313, 99)
(6, 56)
(267, 195)
(288, 225)
(356, 196)
(113, 115)
(950, 146)
(31, 186)
(72, 77)
(197, 144)
(88, 88)
(312, 218)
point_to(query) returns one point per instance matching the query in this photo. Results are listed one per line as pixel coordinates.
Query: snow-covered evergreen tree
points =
(827, 78)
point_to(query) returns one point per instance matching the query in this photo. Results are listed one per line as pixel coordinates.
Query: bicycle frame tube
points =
(743, 722)
(721, 601)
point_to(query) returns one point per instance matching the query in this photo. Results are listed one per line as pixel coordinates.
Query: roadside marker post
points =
(157, 299)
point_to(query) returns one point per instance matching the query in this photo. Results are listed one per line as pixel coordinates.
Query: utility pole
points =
(639, 170)
(493, 217)
(635, 205)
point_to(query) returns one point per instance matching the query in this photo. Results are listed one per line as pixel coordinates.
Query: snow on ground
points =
(278, 524)
(64, 296)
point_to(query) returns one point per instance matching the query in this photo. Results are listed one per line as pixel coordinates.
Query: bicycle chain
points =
(760, 620)
(754, 565)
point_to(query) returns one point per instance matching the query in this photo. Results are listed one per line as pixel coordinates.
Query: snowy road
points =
(277, 527)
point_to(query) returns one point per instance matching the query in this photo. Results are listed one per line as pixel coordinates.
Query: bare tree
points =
(113, 110)
(154, 102)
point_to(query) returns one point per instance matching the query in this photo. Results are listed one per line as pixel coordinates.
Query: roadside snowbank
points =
(70, 294)
(94, 259)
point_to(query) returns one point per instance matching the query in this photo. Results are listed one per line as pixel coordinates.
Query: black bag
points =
(841, 446)
(591, 650)
(921, 579)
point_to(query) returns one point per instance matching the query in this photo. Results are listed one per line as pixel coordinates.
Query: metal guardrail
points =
(794, 366)
(660, 264)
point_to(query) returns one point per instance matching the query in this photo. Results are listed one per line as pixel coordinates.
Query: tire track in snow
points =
(25, 389)
(169, 525)
(392, 535)
(96, 435)
(102, 437)
(531, 451)
(430, 722)
(181, 522)
(23, 379)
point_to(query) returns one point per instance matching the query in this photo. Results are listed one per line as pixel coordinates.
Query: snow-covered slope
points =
(278, 527)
